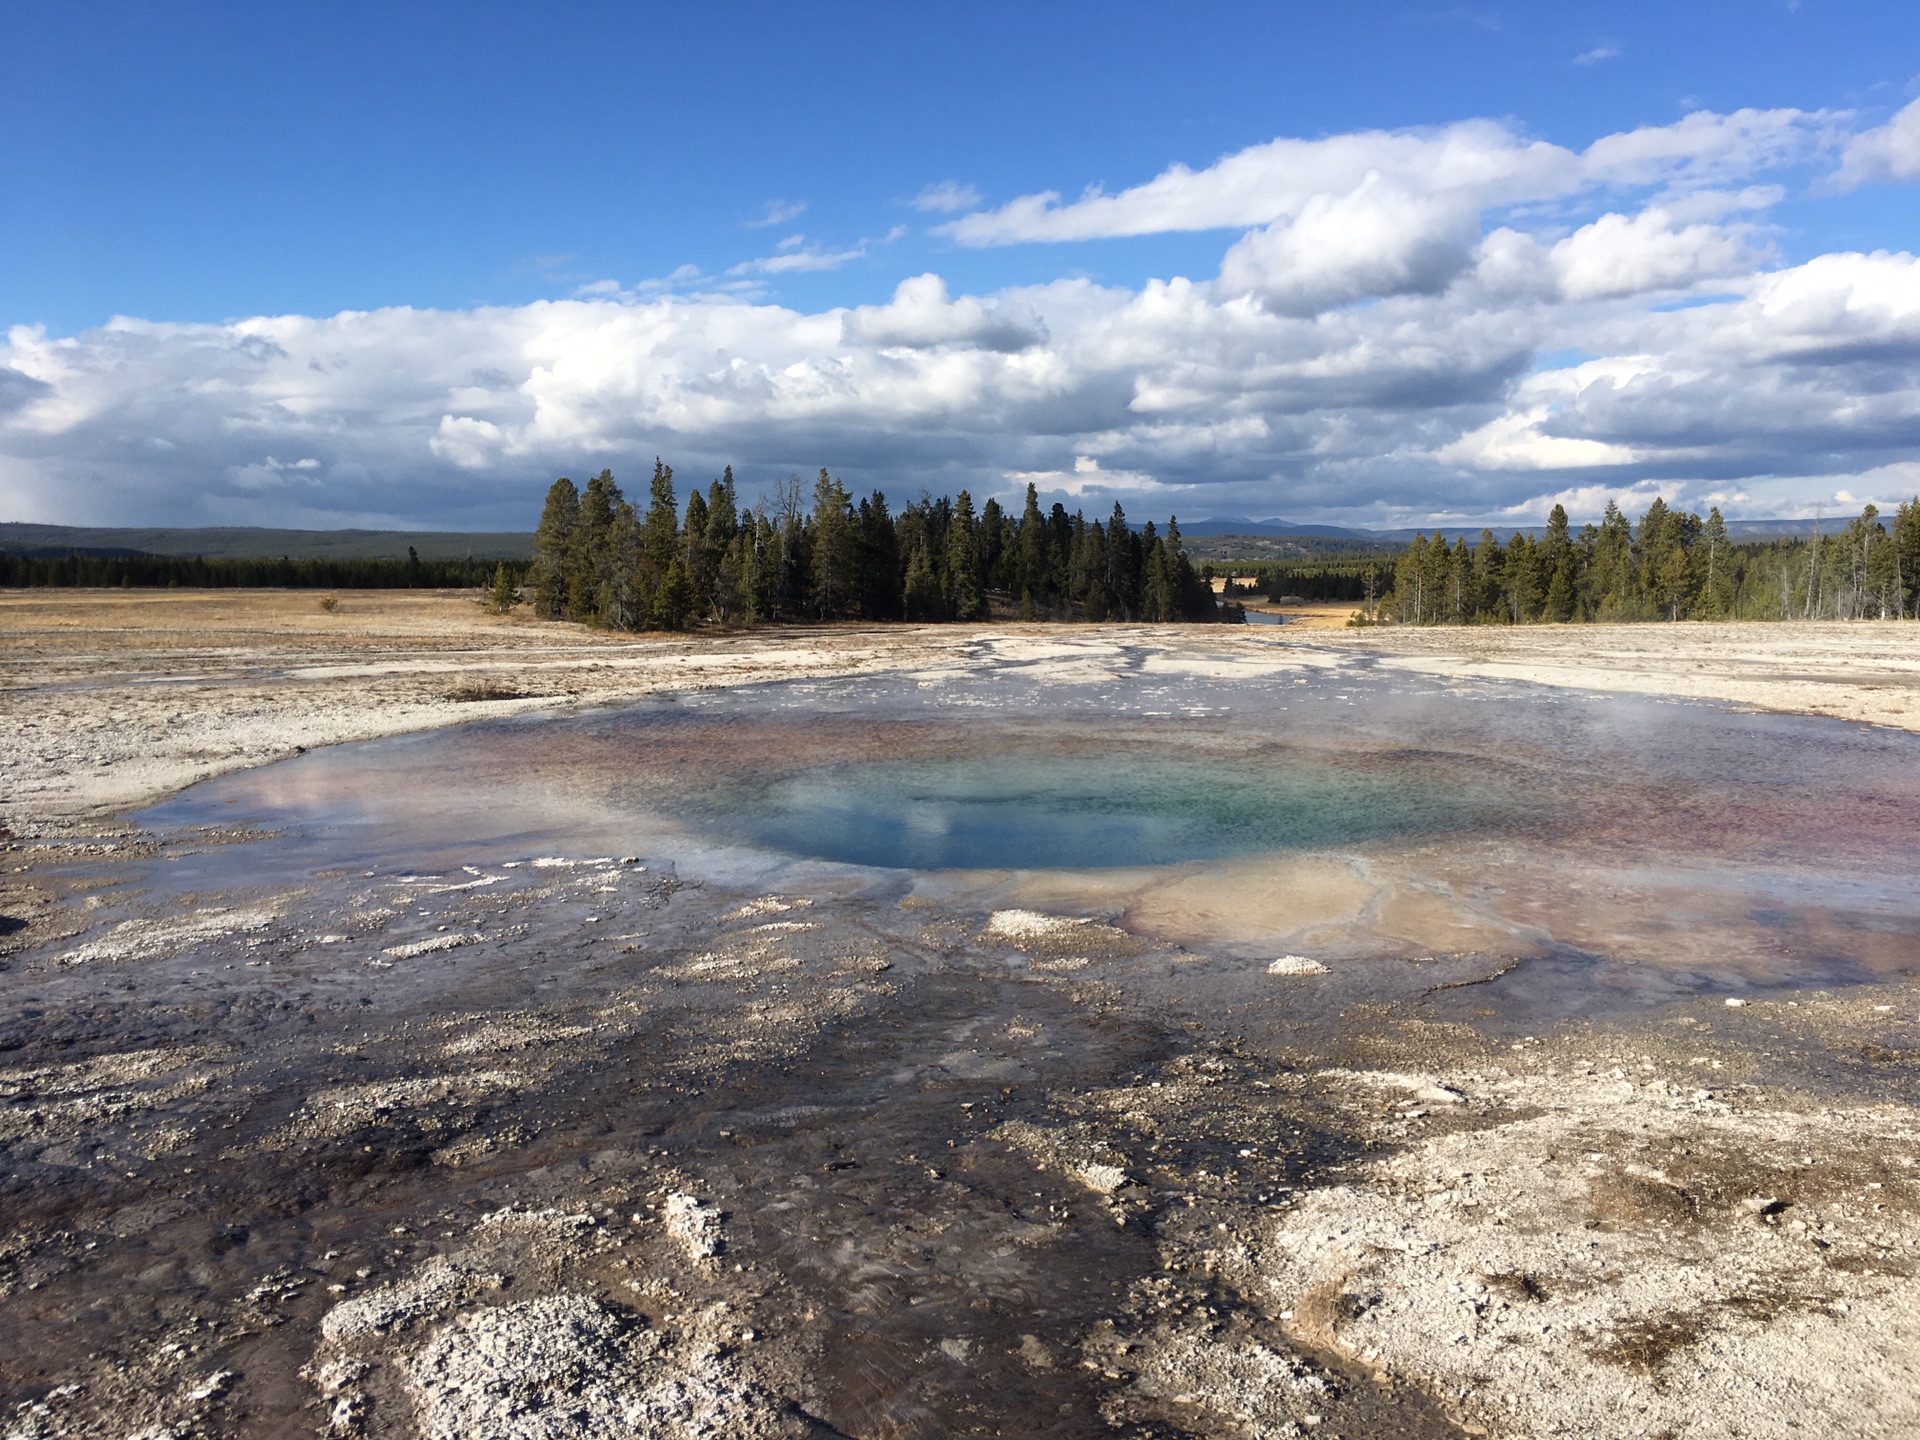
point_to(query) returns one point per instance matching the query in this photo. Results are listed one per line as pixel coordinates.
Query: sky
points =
(1371, 264)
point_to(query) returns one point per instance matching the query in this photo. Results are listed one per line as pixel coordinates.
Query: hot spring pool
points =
(1081, 811)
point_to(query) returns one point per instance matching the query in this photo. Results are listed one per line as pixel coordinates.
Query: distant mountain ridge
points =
(251, 543)
(254, 543)
(1277, 527)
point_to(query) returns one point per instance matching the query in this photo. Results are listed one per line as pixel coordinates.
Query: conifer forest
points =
(602, 560)
(1671, 566)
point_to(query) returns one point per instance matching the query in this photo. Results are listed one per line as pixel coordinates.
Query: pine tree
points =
(1557, 606)
(1086, 571)
(590, 551)
(1613, 588)
(673, 601)
(1489, 563)
(550, 558)
(1123, 580)
(723, 525)
(1093, 594)
(659, 542)
(1156, 594)
(1906, 559)
(966, 595)
(993, 547)
(1410, 582)
(922, 586)
(1716, 591)
(693, 551)
(877, 580)
(1674, 582)
(1651, 545)
(1522, 584)
(1190, 598)
(624, 550)
(502, 594)
(1059, 558)
(1030, 577)
(835, 549)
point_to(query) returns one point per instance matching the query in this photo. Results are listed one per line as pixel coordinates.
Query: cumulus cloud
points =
(921, 316)
(1379, 214)
(1378, 239)
(1620, 255)
(1403, 324)
(470, 443)
(1890, 152)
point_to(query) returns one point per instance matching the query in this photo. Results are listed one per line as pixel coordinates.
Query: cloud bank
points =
(1457, 323)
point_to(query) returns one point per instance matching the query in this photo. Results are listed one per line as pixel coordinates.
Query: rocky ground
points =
(572, 1145)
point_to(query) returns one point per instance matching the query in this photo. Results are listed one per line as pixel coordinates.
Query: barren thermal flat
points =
(1523, 1046)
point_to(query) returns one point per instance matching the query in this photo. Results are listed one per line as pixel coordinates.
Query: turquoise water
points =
(1088, 810)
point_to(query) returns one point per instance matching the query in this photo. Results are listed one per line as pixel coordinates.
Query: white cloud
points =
(1844, 306)
(1379, 239)
(1475, 163)
(947, 197)
(1520, 442)
(1459, 321)
(1890, 152)
(795, 255)
(272, 475)
(469, 443)
(1617, 255)
(1586, 500)
(921, 315)
(778, 212)
(1606, 50)
(1279, 179)
(1706, 148)
(1086, 479)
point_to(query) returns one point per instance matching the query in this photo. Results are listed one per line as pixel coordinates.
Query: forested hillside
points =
(224, 572)
(600, 560)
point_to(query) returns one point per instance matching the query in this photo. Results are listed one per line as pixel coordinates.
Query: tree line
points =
(252, 573)
(1673, 565)
(1322, 581)
(601, 560)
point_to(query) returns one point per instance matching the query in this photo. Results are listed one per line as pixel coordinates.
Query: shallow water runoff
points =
(920, 1054)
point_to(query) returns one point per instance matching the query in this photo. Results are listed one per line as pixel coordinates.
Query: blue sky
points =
(402, 264)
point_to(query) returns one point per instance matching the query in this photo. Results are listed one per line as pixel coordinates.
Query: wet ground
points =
(937, 1054)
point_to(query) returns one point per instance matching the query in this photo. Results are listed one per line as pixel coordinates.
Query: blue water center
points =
(1089, 810)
